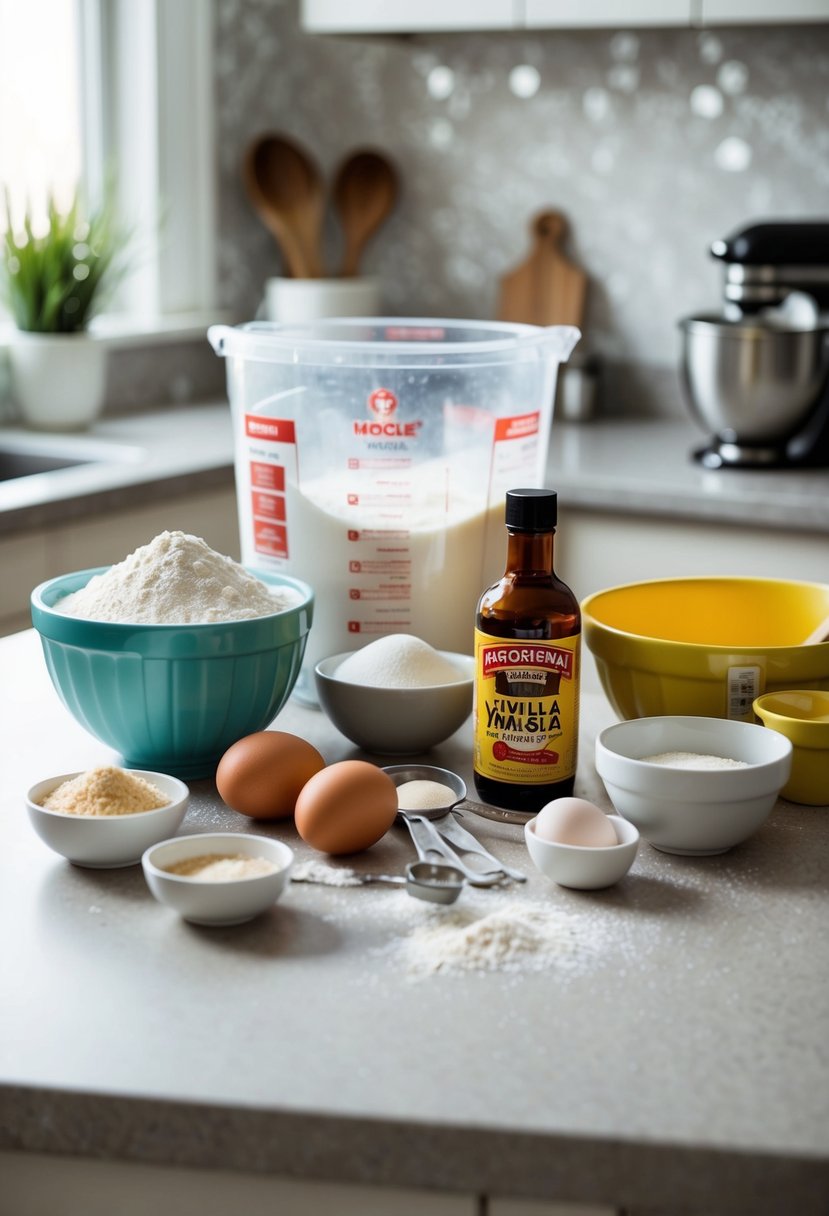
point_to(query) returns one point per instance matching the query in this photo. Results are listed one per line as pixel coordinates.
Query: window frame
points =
(148, 113)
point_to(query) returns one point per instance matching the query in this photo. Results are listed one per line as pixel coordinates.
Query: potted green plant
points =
(53, 282)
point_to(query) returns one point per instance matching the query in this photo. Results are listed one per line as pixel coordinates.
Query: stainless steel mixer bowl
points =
(749, 382)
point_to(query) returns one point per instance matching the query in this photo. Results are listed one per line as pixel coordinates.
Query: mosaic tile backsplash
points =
(653, 143)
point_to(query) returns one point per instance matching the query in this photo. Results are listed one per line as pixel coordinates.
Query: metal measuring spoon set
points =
(439, 837)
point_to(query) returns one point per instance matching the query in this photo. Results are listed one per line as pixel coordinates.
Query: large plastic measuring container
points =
(372, 459)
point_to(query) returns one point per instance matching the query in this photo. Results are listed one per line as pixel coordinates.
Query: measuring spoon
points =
(423, 880)
(444, 822)
(429, 844)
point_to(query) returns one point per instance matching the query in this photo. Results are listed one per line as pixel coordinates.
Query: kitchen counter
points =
(638, 466)
(177, 451)
(675, 1058)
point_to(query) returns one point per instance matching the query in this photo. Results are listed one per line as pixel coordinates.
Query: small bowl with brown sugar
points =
(105, 818)
(218, 878)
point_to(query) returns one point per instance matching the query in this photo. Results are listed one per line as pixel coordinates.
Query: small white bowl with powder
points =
(218, 878)
(397, 695)
(105, 818)
(691, 784)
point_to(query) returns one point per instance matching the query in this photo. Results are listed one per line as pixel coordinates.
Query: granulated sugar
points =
(398, 661)
(693, 760)
(176, 579)
(516, 937)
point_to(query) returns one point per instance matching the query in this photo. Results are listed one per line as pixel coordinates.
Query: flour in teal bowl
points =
(176, 579)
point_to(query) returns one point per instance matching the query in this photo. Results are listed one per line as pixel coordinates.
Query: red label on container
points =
(382, 402)
(415, 333)
(518, 427)
(504, 754)
(267, 476)
(273, 430)
(270, 538)
(268, 506)
(547, 658)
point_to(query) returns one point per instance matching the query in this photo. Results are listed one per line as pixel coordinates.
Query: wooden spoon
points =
(546, 289)
(287, 190)
(819, 634)
(364, 192)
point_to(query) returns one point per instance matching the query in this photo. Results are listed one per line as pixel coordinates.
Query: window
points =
(130, 96)
(40, 105)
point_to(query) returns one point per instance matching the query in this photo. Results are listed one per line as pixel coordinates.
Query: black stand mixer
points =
(757, 373)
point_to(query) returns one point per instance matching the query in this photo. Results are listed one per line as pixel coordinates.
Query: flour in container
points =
(398, 660)
(176, 579)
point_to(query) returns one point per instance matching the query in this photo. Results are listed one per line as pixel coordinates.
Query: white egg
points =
(575, 821)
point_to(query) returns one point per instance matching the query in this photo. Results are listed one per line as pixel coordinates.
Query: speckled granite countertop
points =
(675, 1058)
(631, 465)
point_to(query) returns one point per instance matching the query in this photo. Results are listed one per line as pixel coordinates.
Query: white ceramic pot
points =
(57, 380)
(295, 301)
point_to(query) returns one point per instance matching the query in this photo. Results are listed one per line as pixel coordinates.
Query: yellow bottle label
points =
(526, 709)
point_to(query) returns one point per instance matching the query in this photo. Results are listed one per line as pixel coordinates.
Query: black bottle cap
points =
(532, 510)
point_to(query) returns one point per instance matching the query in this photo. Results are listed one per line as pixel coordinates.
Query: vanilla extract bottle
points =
(527, 667)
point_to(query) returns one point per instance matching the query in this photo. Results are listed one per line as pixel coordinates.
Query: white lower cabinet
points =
(36, 1184)
(39, 1185)
(541, 1207)
(595, 550)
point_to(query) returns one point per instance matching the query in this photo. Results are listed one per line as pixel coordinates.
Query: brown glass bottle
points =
(527, 650)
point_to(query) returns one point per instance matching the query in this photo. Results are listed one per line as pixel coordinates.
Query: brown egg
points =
(346, 807)
(262, 774)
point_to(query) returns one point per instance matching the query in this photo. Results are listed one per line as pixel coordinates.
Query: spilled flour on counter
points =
(325, 876)
(516, 937)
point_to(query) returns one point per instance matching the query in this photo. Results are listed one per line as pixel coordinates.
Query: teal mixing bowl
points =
(172, 698)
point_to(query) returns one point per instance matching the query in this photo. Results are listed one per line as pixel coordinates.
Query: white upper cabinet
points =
(605, 14)
(423, 16)
(759, 12)
(408, 16)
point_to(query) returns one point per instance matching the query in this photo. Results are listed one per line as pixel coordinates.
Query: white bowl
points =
(217, 903)
(396, 721)
(585, 869)
(697, 812)
(105, 842)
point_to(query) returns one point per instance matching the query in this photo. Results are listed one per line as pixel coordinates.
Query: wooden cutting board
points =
(547, 288)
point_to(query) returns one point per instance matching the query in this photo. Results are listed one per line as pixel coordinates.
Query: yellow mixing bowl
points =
(802, 715)
(705, 646)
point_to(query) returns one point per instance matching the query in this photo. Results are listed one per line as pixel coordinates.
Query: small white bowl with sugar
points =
(396, 696)
(738, 771)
